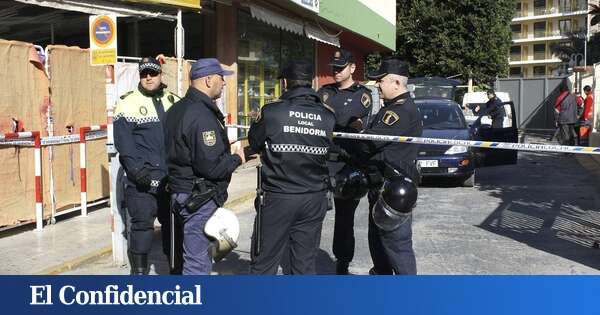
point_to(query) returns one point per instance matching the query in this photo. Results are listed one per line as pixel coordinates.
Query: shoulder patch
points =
(365, 100)
(324, 97)
(125, 95)
(209, 138)
(390, 118)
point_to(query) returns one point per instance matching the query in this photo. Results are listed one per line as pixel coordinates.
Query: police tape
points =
(54, 140)
(533, 147)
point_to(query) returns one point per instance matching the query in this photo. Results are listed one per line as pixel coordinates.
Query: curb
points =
(76, 262)
(79, 261)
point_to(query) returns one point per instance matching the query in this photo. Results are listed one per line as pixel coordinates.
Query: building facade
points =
(539, 24)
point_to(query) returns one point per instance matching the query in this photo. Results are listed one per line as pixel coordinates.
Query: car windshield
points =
(441, 116)
(446, 92)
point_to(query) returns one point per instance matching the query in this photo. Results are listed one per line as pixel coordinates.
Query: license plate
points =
(428, 163)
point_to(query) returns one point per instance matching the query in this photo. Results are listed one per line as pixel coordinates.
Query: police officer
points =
(494, 108)
(391, 245)
(293, 136)
(352, 104)
(139, 139)
(200, 160)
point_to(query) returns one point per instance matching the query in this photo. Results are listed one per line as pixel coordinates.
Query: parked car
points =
(444, 119)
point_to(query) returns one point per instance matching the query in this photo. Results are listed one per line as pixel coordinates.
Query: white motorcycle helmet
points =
(224, 228)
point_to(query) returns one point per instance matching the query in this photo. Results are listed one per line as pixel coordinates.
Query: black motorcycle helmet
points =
(350, 184)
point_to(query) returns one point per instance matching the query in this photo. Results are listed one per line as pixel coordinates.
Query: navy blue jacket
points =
(198, 146)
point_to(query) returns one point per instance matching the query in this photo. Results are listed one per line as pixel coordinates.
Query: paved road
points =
(538, 217)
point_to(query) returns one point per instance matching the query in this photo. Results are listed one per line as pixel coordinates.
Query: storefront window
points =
(262, 50)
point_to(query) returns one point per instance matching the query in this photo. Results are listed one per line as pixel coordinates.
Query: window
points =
(539, 7)
(539, 71)
(539, 51)
(516, 72)
(564, 5)
(518, 9)
(516, 31)
(262, 51)
(564, 26)
(539, 29)
(515, 53)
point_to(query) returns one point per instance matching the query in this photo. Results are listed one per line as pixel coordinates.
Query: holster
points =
(201, 194)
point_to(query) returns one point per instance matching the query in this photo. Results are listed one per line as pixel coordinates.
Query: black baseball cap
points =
(390, 65)
(341, 58)
(149, 64)
(298, 70)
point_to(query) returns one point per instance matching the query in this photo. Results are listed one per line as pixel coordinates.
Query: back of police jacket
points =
(198, 146)
(294, 136)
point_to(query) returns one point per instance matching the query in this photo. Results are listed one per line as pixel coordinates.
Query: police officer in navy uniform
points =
(391, 244)
(200, 160)
(352, 104)
(138, 131)
(293, 136)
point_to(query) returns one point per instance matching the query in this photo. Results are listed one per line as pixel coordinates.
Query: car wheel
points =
(470, 181)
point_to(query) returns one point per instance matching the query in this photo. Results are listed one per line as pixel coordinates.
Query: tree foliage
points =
(470, 38)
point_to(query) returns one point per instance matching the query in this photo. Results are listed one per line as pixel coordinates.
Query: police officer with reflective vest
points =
(352, 104)
(139, 139)
(391, 202)
(293, 136)
(200, 160)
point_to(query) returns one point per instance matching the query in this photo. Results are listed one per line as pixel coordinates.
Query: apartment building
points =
(536, 26)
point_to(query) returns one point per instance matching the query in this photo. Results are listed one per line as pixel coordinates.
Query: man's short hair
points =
(587, 88)
(298, 83)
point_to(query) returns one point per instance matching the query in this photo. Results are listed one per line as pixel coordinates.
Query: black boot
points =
(139, 264)
(341, 267)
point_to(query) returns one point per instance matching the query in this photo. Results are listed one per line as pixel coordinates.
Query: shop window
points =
(262, 51)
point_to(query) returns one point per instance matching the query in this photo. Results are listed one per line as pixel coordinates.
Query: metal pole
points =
(180, 51)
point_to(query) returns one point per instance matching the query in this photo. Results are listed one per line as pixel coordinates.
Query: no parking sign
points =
(103, 40)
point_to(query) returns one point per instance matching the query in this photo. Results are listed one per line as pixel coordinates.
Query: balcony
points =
(544, 13)
(516, 36)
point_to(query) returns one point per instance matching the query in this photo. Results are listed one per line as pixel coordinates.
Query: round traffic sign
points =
(103, 31)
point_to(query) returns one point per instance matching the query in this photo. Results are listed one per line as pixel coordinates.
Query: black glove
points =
(249, 153)
(143, 177)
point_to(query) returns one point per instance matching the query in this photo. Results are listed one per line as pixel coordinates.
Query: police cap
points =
(298, 70)
(149, 65)
(341, 58)
(390, 65)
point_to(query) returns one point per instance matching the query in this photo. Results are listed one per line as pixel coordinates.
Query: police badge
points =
(209, 138)
(143, 110)
(365, 100)
(390, 118)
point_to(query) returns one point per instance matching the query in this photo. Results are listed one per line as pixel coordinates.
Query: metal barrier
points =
(23, 139)
(83, 131)
(34, 139)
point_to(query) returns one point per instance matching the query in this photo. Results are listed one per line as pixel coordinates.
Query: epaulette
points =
(172, 97)
(329, 108)
(125, 95)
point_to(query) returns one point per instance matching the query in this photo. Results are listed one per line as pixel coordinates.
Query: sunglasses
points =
(151, 73)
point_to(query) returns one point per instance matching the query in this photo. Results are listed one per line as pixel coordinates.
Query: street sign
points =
(103, 40)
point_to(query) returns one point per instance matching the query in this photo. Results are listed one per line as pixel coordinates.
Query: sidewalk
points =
(78, 240)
